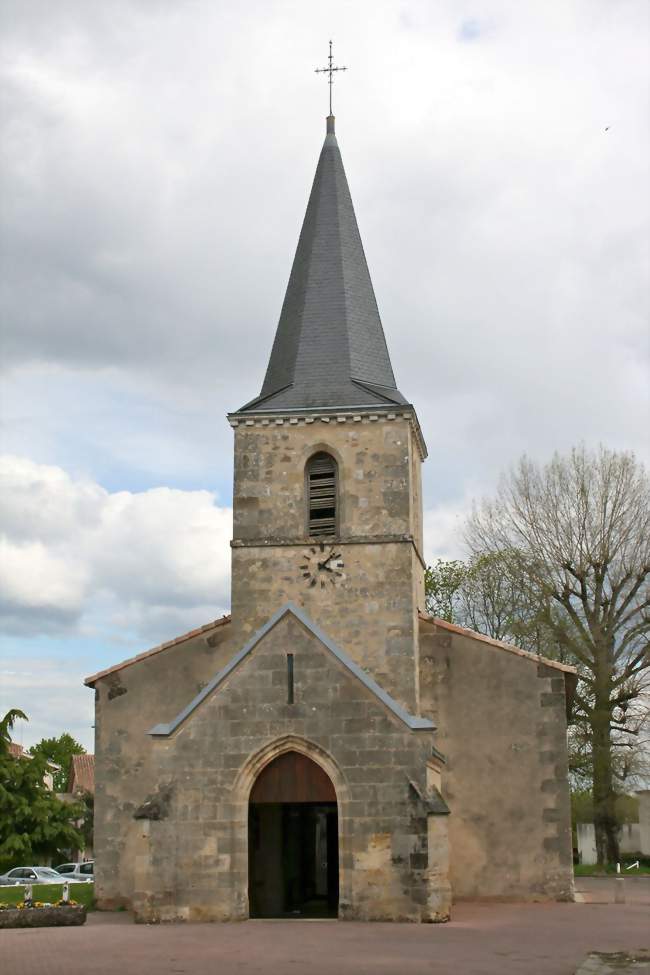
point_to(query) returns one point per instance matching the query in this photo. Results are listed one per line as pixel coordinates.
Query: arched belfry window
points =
(321, 495)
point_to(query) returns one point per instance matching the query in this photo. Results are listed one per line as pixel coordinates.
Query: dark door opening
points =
(293, 853)
(293, 841)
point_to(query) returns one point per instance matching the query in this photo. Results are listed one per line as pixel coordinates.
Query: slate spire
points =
(329, 349)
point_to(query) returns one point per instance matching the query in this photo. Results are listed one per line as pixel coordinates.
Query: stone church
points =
(328, 749)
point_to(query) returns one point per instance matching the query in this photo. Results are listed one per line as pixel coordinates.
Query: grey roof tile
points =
(329, 348)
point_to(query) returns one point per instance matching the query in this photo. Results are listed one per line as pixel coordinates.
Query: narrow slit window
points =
(321, 490)
(289, 678)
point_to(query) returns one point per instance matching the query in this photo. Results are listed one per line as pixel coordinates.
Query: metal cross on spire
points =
(330, 69)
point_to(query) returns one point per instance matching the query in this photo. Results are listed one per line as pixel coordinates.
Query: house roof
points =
(82, 774)
(509, 647)
(329, 349)
(413, 722)
(17, 751)
(222, 621)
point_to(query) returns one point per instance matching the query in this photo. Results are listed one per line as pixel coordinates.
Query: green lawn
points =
(587, 870)
(50, 894)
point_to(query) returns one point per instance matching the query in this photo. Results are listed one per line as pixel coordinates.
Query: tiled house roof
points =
(82, 774)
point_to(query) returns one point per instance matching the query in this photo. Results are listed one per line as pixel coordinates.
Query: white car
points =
(78, 872)
(31, 875)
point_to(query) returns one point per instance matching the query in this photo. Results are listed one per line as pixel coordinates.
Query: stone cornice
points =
(301, 541)
(369, 414)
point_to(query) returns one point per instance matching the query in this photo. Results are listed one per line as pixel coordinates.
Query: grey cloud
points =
(26, 621)
(153, 215)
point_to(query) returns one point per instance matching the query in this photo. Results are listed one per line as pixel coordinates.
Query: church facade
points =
(328, 749)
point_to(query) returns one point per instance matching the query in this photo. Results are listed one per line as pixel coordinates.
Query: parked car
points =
(31, 875)
(78, 872)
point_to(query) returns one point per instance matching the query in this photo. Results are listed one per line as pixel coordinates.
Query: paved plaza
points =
(482, 939)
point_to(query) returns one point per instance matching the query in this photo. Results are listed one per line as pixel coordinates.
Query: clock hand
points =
(334, 555)
(325, 564)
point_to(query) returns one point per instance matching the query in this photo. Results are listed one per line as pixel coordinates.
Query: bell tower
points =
(327, 489)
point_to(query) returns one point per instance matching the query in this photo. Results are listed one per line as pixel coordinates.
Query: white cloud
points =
(443, 530)
(51, 693)
(32, 577)
(74, 556)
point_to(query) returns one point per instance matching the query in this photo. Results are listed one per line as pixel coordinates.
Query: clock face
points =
(322, 566)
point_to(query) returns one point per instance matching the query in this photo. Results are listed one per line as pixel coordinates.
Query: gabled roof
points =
(329, 349)
(473, 635)
(82, 774)
(412, 722)
(201, 631)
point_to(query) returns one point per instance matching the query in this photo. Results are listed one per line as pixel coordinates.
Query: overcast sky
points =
(157, 157)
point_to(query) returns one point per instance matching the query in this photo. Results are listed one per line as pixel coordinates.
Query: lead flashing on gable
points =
(412, 722)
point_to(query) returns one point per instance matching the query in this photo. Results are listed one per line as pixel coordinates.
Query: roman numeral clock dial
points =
(322, 566)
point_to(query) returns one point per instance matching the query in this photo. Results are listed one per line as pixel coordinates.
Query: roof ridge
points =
(261, 399)
(500, 644)
(89, 681)
(341, 262)
(374, 389)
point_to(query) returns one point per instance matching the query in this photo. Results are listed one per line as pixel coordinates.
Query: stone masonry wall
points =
(375, 490)
(193, 860)
(128, 703)
(372, 611)
(502, 729)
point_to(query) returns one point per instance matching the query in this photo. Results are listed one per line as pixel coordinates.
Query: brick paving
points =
(609, 890)
(483, 939)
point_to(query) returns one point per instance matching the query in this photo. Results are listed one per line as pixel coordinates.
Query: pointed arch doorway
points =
(293, 863)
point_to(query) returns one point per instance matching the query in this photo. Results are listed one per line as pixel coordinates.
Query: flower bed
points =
(41, 915)
(49, 894)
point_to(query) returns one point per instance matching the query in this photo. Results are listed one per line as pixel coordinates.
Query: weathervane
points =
(330, 69)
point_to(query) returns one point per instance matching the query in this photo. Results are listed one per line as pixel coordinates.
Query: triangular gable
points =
(412, 722)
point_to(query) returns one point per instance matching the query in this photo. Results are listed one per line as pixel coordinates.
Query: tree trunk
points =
(604, 796)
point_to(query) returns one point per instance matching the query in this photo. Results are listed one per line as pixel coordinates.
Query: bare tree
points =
(577, 534)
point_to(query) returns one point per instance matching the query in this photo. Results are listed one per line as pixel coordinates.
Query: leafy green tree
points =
(582, 807)
(87, 823)
(442, 585)
(485, 594)
(34, 824)
(6, 725)
(60, 751)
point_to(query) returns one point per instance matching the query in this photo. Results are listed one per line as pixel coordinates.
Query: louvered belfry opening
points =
(321, 490)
